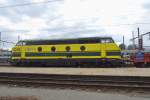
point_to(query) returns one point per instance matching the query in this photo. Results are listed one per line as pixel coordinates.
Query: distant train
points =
(90, 51)
(5, 56)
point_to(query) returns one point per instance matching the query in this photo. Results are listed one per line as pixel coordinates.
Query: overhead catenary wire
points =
(13, 31)
(128, 24)
(7, 42)
(28, 4)
(50, 1)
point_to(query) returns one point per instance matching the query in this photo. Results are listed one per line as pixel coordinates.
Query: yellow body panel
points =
(102, 48)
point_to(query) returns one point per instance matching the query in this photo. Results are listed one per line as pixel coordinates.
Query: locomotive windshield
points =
(21, 43)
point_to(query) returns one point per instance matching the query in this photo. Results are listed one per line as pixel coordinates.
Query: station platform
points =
(79, 71)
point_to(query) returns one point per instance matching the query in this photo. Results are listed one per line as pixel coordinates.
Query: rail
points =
(76, 80)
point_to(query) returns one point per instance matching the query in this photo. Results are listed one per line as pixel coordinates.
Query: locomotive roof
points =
(66, 41)
(82, 38)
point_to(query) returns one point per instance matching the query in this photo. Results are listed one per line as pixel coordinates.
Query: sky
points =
(50, 19)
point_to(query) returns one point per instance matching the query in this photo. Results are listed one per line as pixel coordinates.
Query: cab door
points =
(103, 48)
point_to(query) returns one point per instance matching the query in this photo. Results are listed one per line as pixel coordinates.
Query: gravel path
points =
(80, 71)
(59, 94)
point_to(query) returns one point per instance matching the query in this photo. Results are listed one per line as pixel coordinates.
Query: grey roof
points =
(67, 38)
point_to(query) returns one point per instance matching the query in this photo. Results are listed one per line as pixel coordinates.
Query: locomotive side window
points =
(53, 49)
(67, 48)
(92, 40)
(39, 49)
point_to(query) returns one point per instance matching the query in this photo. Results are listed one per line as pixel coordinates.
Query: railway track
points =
(5, 64)
(76, 80)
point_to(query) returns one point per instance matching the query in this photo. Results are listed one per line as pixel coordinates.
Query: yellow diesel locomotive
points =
(90, 51)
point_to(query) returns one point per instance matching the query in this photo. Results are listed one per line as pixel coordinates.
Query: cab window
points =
(107, 41)
(102, 40)
(21, 44)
